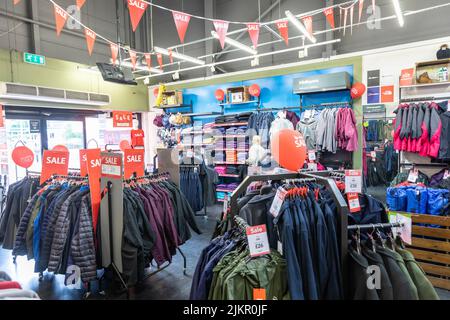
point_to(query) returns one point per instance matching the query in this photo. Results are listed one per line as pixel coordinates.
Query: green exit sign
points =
(33, 59)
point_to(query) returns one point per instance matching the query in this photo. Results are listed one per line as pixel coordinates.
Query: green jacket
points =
(402, 265)
(425, 289)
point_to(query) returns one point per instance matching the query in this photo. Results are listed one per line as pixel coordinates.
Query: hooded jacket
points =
(307, 127)
(444, 150)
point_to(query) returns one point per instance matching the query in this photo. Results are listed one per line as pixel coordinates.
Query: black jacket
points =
(373, 258)
(357, 276)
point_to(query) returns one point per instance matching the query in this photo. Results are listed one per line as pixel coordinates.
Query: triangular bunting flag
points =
(181, 22)
(80, 4)
(60, 18)
(307, 21)
(170, 55)
(137, 9)
(114, 52)
(160, 60)
(361, 7)
(221, 29)
(329, 14)
(133, 57)
(253, 31)
(283, 28)
(148, 60)
(90, 39)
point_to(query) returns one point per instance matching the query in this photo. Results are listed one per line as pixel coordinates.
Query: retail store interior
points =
(224, 150)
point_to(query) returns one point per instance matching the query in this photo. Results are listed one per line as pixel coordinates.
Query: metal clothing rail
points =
(375, 226)
(424, 99)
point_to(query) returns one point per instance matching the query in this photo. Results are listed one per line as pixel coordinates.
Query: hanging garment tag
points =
(312, 155)
(405, 232)
(280, 247)
(278, 202)
(353, 202)
(413, 175)
(353, 181)
(258, 241)
(259, 294)
(373, 155)
(312, 166)
(446, 175)
(225, 204)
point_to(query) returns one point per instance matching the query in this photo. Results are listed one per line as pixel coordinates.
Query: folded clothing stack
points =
(219, 144)
(221, 169)
(227, 187)
(231, 170)
(241, 156)
(187, 139)
(231, 144)
(219, 157)
(231, 131)
(231, 155)
(220, 195)
(243, 145)
(244, 116)
(198, 139)
(227, 119)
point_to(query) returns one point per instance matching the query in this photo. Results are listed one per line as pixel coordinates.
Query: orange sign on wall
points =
(122, 119)
(387, 94)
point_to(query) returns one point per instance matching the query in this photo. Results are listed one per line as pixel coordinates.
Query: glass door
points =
(69, 134)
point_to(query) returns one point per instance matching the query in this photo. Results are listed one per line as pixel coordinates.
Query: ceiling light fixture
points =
(141, 68)
(179, 56)
(398, 12)
(300, 26)
(236, 44)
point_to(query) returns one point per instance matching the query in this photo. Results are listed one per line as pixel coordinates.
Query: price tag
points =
(259, 294)
(312, 155)
(312, 166)
(225, 204)
(373, 154)
(353, 181)
(280, 247)
(413, 176)
(278, 202)
(258, 242)
(446, 175)
(353, 202)
(405, 231)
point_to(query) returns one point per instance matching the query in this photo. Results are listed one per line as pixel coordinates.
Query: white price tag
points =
(353, 181)
(280, 247)
(413, 176)
(373, 154)
(446, 175)
(312, 155)
(405, 231)
(111, 170)
(278, 202)
(258, 242)
(312, 166)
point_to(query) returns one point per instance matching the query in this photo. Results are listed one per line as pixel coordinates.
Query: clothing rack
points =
(325, 105)
(205, 213)
(375, 226)
(424, 99)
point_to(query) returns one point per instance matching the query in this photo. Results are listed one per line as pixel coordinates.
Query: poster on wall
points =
(387, 94)
(373, 78)
(407, 77)
(373, 95)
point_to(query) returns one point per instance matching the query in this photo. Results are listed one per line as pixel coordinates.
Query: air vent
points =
(12, 88)
(99, 97)
(75, 95)
(54, 93)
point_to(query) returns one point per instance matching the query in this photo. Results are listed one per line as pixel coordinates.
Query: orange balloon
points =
(124, 144)
(289, 149)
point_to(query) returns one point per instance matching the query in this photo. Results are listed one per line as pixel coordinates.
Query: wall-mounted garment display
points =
(260, 124)
(191, 186)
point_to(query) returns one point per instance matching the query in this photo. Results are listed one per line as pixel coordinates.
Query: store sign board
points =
(374, 108)
(54, 163)
(373, 78)
(323, 82)
(134, 163)
(353, 181)
(407, 77)
(35, 126)
(373, 95)
(122, 119)
(33, 59)
(387, 94)
(112, 165)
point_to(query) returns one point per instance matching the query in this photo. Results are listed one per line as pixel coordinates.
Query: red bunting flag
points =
(329, 14)
(137, 9)
(373, 6)
(133, 57)
(361, 7)
(307, 21)
(90, 39)
(283, 28)
(114, 52)
(181, 22)
(94, 170)
(60, 18)
(148, 60)
(253, 30)
(221, 30)
(160, 60)
(16, 2)
(170, 55)
(80, 4)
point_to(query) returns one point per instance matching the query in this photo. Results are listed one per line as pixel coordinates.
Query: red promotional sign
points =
(90, 39)
(122, 119)
(114, 52)
(80, 4)
(23, 157)
(361, 7)
(133, 57)
(60, 147)
(54, 162)
(137, 138)
(407, 77)
(148, 60)
(254, 90)
(253, 31)
(387, 94)
(134, 163)
(137, 9)
(60, 18)
(94, 169)
(181, 22)
(124, 145)
(307, 21)
(329, 14)
(283, 28)
(353, 202)
(221, 30)
(112, 166)
(160, 60)
(84, 161)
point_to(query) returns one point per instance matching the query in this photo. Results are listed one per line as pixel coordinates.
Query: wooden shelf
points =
(173, 106)
(238, 103)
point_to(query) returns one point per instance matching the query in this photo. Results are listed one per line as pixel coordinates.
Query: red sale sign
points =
(54, 163)
(60, 18)
(122, 119)
(221, 29)
(258, 242)
(112, 166)
(94, 169)
(137, 9)
(90, 39)
(283, 28)
(253, 31)
(181, 22)
(134, 163)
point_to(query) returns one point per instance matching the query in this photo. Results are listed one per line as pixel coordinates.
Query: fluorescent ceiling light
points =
(179, 56)
(300, 26)
(276, 34)
(141, 68)
(236, 44)
(398, 12)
